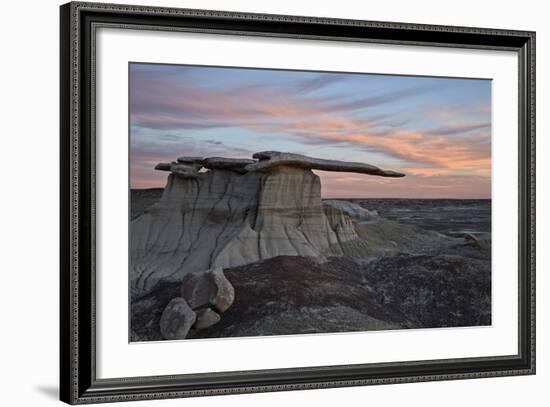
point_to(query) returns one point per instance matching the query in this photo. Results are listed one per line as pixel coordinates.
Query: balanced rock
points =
(177, 319)
(197, 289)
(210, 288)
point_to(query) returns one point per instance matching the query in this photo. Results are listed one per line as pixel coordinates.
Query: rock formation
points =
(351, 209)
(236, 212)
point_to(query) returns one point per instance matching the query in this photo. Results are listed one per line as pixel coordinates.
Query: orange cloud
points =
(449, 154)
(412, 186)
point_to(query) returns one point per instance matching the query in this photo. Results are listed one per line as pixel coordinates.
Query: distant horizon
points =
(364, 197)
(435, 130)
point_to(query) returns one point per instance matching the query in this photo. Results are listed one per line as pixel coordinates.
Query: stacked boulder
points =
(203, 298)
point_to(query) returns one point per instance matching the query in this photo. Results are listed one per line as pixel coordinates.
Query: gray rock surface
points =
(391, 274)
(177, 319)
(296, 295)
(268, 160)
(351, 209)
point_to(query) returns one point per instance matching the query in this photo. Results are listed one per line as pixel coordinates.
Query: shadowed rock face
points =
(239, 212)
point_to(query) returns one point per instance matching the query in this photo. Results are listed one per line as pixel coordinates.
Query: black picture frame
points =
(78, 382)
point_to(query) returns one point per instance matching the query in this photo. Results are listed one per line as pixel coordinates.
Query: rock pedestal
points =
(237, 212)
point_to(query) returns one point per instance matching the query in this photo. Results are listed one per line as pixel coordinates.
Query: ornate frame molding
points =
(79, 21)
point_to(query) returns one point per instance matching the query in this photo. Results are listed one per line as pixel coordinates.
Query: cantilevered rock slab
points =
(269, 160)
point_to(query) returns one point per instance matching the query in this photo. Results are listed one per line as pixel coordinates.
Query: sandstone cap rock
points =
(266, 161)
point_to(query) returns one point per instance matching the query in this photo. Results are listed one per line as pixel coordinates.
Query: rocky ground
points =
(411, 277)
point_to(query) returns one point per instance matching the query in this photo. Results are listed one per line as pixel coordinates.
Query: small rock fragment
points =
(206, 318)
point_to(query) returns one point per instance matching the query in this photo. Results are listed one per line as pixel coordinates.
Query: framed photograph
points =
(255, 203)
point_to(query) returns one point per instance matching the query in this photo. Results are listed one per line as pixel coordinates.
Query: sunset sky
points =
(436, 130)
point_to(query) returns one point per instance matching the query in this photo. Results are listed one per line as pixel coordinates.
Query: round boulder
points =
(177, 319)
(208, 288)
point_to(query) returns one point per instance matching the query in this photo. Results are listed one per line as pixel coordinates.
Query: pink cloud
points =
(412, 186)
(451, 159)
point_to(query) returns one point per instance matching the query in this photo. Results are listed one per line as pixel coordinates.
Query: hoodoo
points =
(217, 213)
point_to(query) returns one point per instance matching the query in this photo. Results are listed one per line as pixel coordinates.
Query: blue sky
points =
(436, 130)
